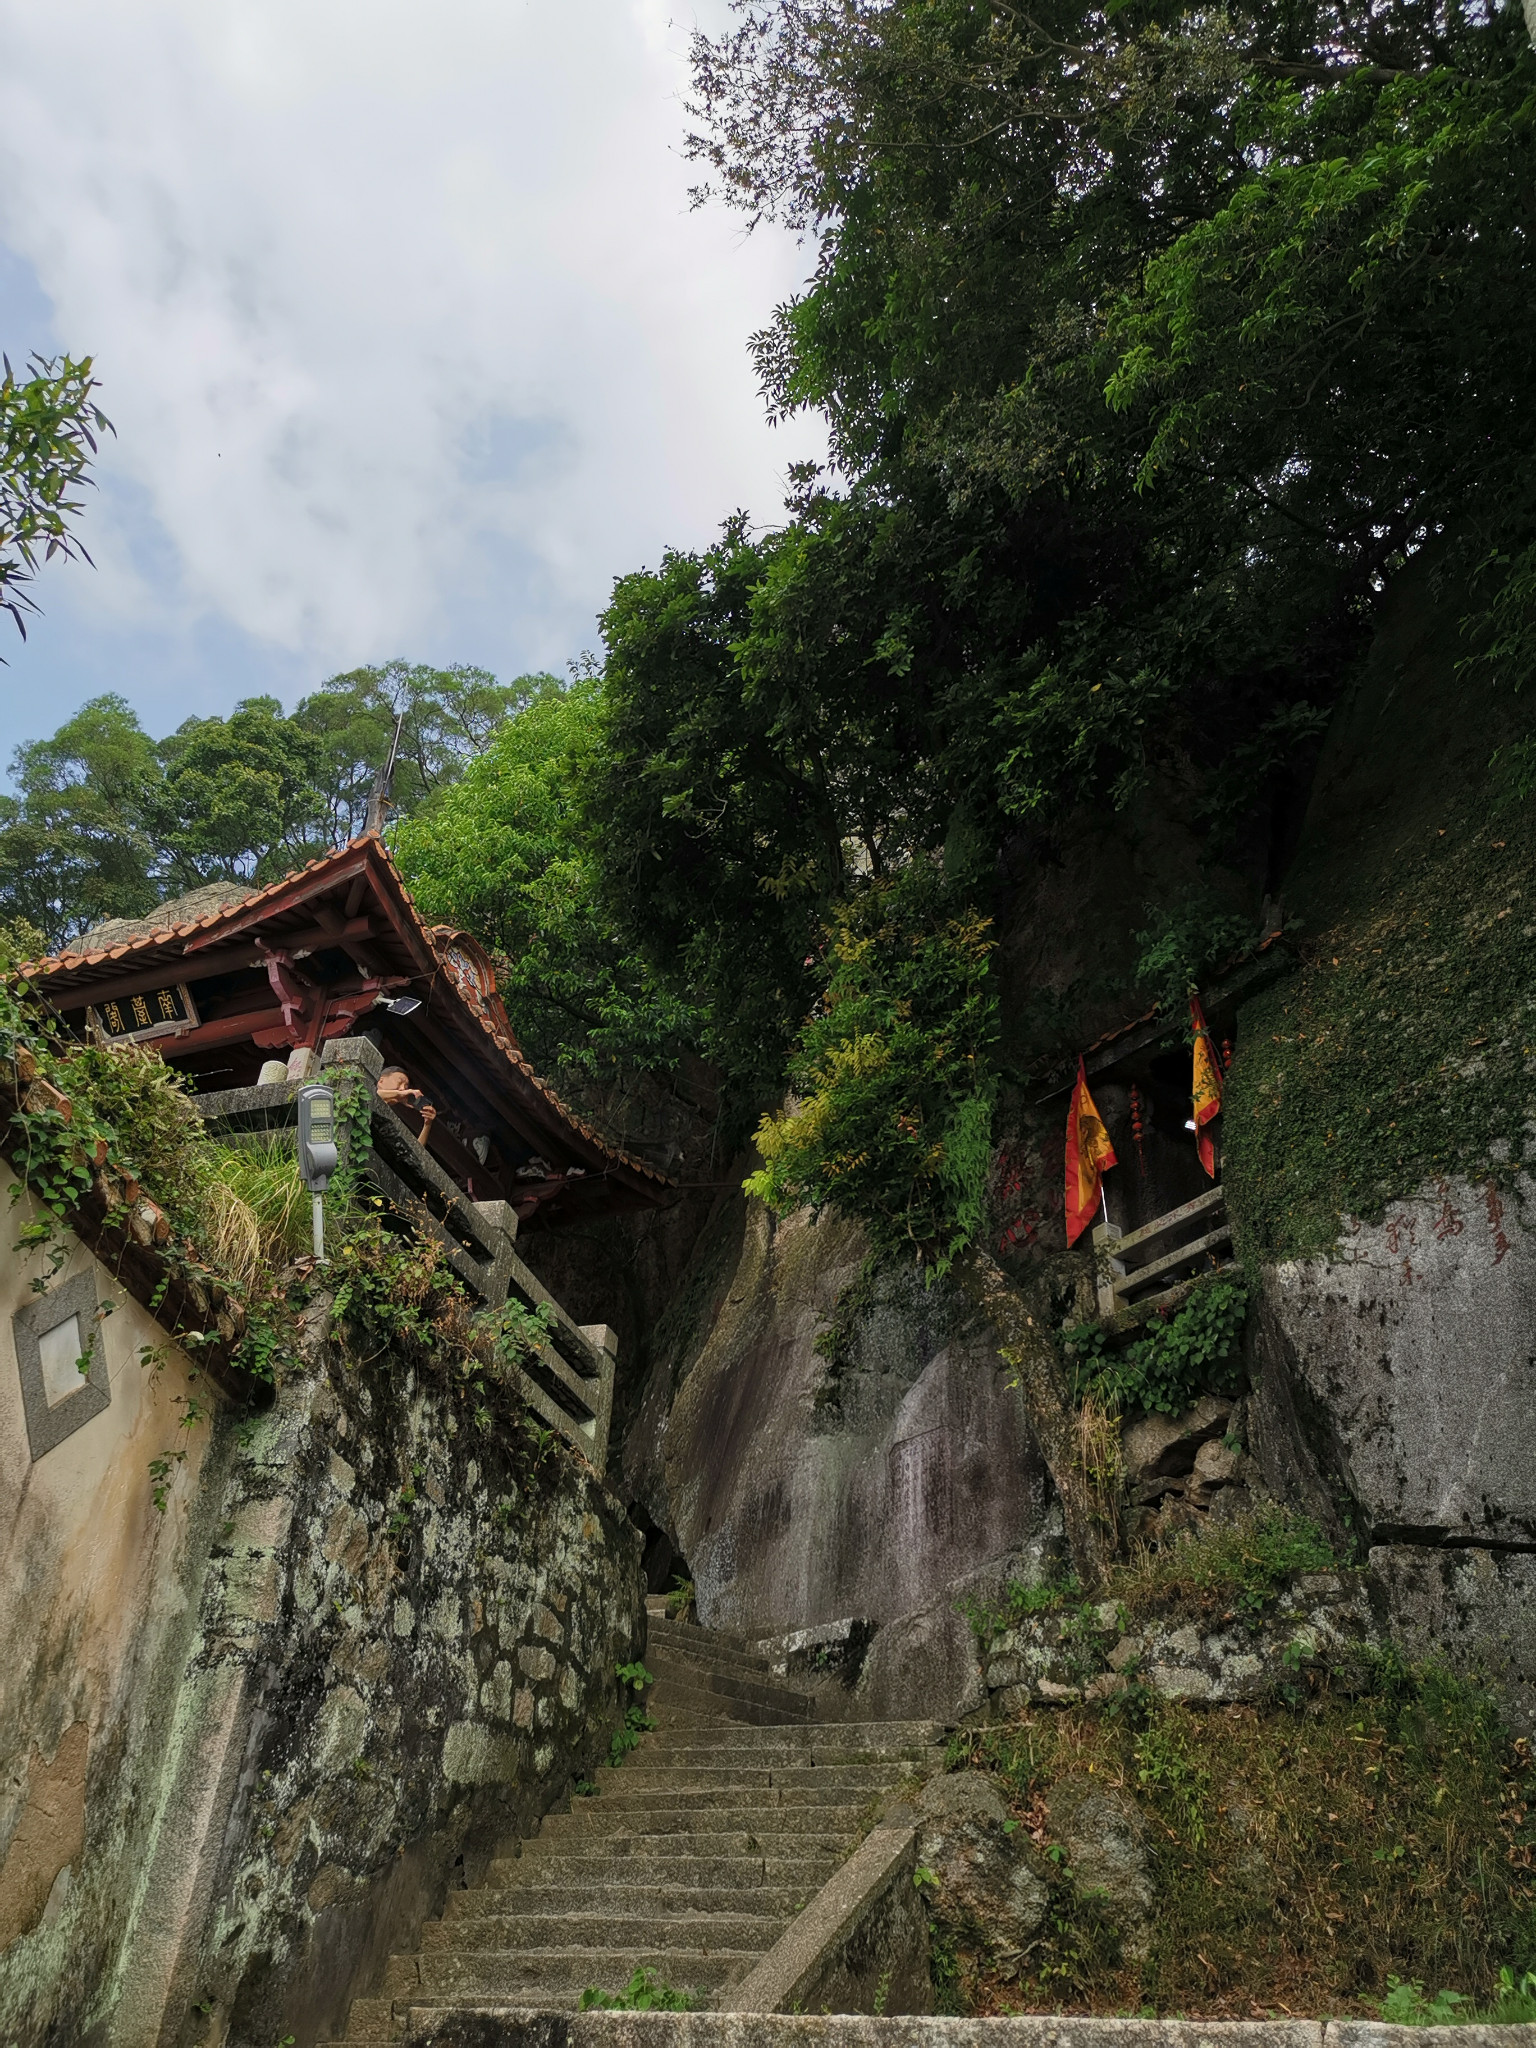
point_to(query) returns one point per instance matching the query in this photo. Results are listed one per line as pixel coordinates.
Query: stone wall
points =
(250, 1741)
(1395, 1398)
(406, 1650)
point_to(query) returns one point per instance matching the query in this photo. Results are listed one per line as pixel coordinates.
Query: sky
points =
(410, 337)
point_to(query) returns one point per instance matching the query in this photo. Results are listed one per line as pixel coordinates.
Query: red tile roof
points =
(231, 918)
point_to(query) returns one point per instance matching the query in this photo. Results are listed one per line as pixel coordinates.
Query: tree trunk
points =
(1020, 1321)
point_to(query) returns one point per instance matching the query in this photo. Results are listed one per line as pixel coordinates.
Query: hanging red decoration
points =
(1226, 1055)
(1137, 1130)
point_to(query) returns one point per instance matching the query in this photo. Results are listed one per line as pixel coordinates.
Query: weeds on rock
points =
(645, 1992)
(1234, 1569)
(1333, 1859)
(636, 1720)
(1019, 1603)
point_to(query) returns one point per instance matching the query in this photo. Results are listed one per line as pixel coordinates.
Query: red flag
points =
(1088, 1153)
(1207, 1088)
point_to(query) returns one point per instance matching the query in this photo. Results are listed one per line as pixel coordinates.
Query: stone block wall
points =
(249, 1742)
(407, 1645)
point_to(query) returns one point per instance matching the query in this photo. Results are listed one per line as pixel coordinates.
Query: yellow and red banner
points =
(1207, 1088)
(1088, 1153)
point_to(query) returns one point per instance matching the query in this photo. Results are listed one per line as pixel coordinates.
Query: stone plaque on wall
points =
(52, 1335)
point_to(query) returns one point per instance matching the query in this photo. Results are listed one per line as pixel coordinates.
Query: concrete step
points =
(669, 1697)
(648, 1823)
(657, 1925)
(740, 1893)
(526, 1976)
(697, 1675)
(787, 1777)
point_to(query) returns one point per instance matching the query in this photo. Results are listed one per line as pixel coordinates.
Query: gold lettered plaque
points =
(154, 1013)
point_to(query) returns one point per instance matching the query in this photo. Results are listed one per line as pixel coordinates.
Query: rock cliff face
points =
(1402, 1372)
(871, 1489)
(1395, 1397)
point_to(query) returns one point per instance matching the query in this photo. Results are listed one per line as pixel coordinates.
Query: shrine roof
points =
(464, 1028)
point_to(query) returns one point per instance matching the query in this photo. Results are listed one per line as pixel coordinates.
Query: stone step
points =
(698, 1674)
(701, 1643)
(853, 1739)
(669, 1698)
(786, 1777)
(658, 1924)
(805, 1865)
(525, 1976)
(728, 1638)
(739, 1893)
(648, 1822)
(637, 1798)
(371, 2020)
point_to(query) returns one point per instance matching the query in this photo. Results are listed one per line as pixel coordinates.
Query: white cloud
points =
(409, 336)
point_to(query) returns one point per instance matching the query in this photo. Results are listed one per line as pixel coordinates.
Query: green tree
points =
(502, 851)
(76, 843)
(763, 745)
(891, 1117)
(49, 425)
(448, 716)
(1178, 331)
(240, 797)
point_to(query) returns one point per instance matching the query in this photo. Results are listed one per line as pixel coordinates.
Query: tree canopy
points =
(105, 821)
(1152, 344)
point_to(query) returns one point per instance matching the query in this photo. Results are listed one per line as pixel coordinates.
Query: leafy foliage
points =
(1513, 2003)
(892, 1121)
(105, 821)
(503, 852)
(49, 424)
(633, 1678)
(1184, 942)
(1193, 1350)
(645, 1992)
(76, 844)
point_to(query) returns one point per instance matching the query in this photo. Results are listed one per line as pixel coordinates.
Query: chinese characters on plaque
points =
(150, 1014)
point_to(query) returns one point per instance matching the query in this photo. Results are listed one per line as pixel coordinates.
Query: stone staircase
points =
(692, 1859)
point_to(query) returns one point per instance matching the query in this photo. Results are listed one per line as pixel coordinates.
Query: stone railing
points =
(569, 1383)
(1149, 1268)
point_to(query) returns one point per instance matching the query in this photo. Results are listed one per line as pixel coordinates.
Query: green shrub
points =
(892, 1120)
(1193, 1351)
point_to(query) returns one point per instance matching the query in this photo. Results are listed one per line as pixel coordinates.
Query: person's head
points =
(393, 1081)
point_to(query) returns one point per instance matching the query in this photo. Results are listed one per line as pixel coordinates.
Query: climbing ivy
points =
(1401, 1053)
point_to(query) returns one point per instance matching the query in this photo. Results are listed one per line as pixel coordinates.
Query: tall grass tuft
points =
(258, 1210)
